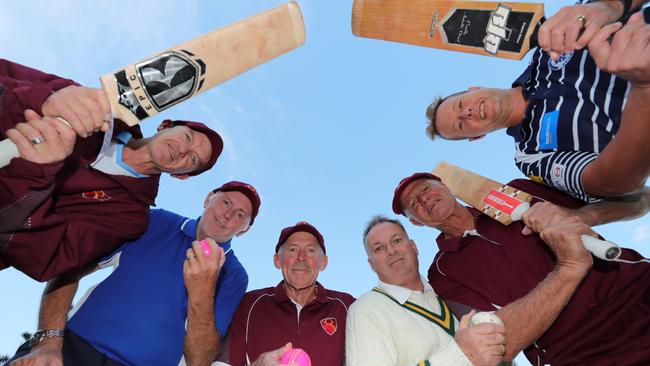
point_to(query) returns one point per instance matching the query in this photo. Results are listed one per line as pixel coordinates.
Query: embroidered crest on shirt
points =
(328, 325)
(557, 175)
(558, 64)
(96, 195)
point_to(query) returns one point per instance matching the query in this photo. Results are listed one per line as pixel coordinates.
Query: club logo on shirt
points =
(328, 325)
(96, 195)
(558, 64)
(558, 172)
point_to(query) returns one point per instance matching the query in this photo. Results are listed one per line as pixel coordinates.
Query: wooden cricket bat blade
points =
(158, 82)
(504, 203)
(170, 77)
(499, 201)
(501, 29)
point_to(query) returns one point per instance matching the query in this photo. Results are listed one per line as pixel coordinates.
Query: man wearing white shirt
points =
(402, 321)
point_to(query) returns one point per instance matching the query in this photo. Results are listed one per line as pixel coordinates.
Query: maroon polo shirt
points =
(267, 319)
(607, 321)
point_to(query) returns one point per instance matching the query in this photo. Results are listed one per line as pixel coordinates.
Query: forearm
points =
(26, 87)
(624, 208)
(202, 341)
(618, 5)
(622, 167)
(55, 304)
(529, 317)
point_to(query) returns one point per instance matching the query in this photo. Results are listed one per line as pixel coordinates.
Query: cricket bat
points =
(145, 88)
(504, 203)
(501, 29)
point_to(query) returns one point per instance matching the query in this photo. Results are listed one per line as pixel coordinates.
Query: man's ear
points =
(476, 138)
(244, 231)
(165, 124)
(207, 199)
(180, 176)
(323, 264)
(416, 223)
(276, 260)
(372, 265)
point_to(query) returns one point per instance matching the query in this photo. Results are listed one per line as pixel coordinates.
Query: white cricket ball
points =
(484, 317)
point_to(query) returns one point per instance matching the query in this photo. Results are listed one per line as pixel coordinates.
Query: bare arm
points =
(529, 317)
(55, 304)
(620, 209)
(200, 273)
(623, 167)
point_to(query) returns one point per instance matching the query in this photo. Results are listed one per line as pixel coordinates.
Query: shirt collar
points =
(188, 227)
(281, 293)
(453, 244)
(402, 294)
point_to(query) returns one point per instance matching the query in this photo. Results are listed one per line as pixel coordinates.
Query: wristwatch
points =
(43, 334)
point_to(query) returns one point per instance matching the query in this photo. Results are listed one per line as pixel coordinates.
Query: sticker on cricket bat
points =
(504, 203)
(501, 29)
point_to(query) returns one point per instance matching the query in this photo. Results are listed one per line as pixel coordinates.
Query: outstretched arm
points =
(55, 305)
(529, 317)
(623, 166)
(200, 273)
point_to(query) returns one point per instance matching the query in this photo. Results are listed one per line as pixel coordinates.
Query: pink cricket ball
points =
(206, 248)
(297, 356)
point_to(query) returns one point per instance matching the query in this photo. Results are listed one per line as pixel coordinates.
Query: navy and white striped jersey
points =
(574, 111)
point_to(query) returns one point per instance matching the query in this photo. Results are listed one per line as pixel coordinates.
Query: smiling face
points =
(179, 150)
(225, 215)
(392, 255)
(474, 113)
(427, 202)
(300, 258)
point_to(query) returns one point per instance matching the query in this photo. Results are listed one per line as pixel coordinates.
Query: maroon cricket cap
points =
(247, 190)
(215, 141)
(397, 208)
(301, 226)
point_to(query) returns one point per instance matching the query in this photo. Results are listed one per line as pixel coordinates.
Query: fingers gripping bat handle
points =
(8, 151)
(603, 249)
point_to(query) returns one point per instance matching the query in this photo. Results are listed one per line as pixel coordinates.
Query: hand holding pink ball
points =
(296, 356)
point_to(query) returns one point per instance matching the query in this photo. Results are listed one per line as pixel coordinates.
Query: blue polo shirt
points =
(137, 315)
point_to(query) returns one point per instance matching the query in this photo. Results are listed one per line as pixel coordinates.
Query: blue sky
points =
(324, 132)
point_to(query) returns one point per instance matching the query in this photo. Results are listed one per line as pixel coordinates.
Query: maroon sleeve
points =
(237, 334)
(54, 240)
(22, 87)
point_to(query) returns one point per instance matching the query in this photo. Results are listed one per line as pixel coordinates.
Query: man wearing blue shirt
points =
(171, 293)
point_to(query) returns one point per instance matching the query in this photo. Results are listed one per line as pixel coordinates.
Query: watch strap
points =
(43, 334)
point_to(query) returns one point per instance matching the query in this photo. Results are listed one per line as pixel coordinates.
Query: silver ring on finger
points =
(62, 120)
(582, 19)
(37, 140)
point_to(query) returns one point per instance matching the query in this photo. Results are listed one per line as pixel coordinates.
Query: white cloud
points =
(641, 233)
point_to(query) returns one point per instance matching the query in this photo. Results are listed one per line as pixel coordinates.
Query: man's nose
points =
(466, 113)
(423, 198)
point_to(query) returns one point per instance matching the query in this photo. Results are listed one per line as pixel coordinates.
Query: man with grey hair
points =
(402, 321)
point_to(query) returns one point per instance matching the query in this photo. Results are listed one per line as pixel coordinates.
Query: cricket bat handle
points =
(8, 151)
(603, 249)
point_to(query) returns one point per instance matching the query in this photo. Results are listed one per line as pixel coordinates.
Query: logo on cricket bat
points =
(160, 82)
(496, 30)
(501, 201)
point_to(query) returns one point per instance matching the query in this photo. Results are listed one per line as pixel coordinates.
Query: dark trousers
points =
(76, 352)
